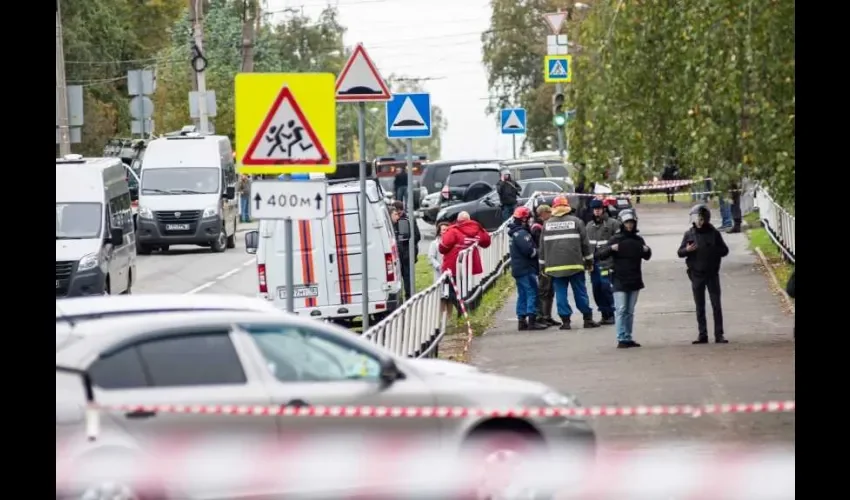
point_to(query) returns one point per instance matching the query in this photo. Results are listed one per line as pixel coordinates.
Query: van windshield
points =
(78, 221)
(180, 181)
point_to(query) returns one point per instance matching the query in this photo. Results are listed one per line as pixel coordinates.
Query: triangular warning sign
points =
(285, 137)
(558, 69)
(555, 20)
(513, 121)
(360, 80)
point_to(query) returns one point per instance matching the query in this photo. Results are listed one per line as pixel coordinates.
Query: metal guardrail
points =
(780, 225)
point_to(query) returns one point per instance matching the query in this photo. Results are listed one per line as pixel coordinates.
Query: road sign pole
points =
(513, 145)
(411, 214)
(290, 260)
(140, 79)
(559, 88)
(61, 90)
(364, 249)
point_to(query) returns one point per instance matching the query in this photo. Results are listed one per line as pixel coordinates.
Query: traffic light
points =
(559, 117)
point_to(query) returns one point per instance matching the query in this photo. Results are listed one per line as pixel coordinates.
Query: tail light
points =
(445, 192)
(261, 274)
(390, 262)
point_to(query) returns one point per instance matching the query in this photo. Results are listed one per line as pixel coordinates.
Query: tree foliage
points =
(108, 37)
(713, 79)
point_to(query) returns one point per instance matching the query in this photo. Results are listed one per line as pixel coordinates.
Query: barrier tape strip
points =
(460, 412)
(469, 333)
(625, 193)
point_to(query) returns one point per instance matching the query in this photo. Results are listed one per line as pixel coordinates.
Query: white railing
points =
(780, 224)
(494, 258)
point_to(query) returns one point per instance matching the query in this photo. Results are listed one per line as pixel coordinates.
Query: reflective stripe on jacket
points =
(599, 234)
(564, 246)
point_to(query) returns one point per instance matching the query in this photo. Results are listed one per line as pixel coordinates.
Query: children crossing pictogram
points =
(285, 137)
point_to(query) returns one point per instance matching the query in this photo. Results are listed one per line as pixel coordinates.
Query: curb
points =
(785, 298)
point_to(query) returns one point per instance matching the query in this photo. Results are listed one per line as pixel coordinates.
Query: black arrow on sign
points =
(257, 200)
(318, 201)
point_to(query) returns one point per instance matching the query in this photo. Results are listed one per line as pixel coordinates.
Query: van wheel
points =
(231, 239)
(220, 243)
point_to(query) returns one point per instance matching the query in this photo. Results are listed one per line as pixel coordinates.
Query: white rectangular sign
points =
(296, 200)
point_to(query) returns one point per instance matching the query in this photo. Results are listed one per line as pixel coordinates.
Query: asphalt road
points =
(757, 365)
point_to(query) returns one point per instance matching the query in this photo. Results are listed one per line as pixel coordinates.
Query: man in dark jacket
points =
(627, 250)
(403, 242)
(671, 173)
(545, 291)
(400, 185)
(599, 231)
(508, 190)
(702, 248)
(524, 269)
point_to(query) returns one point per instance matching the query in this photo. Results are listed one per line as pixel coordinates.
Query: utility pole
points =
(61, 89)
(193, 19)
(250, 15)
(199, 64)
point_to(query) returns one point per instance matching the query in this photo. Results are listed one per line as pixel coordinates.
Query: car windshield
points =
(78, 221)
(180, 181)
(464, 178)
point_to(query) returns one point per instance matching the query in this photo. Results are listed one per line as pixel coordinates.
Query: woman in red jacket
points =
(458, 237)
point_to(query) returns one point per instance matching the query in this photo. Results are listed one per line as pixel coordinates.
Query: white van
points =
(187, 194)
(95, 242)
(327, 264)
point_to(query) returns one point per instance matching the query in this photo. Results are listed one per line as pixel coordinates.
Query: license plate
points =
(301, 292)
(177, 227)
(57, 284)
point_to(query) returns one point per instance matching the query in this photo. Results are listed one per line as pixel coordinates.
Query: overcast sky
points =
(438, 39)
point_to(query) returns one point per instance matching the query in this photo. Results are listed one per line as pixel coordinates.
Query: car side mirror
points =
(404, 229)
(252, 241)
(116, 236)
(389, 372)
(229, 193)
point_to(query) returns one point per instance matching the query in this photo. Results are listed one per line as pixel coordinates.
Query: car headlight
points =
(553, 398)
(88, 262)
(145, 213)
(210, 212)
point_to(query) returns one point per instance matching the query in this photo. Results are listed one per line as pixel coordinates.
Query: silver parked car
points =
(273, 358)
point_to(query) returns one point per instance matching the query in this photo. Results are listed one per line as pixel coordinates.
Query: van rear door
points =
(311, 288)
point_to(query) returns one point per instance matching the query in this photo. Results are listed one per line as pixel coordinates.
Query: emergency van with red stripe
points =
(327, 275)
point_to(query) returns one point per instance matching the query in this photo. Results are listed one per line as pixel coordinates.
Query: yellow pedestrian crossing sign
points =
(558, 69)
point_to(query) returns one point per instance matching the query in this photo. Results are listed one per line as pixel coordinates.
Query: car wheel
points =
(220, 243)
(498, 459)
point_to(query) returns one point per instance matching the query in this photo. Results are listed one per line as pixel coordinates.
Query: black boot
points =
(736, 226)
(533, 324)
(608, 319)
(627, 344)
(523, 324)
(551, 321)
(720, 339)
(588, 321)
(700, 340)
(565, 323)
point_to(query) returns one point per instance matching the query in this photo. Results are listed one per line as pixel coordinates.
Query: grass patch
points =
(759, 238)
(493, 299)
(423, 274)
(752, 219)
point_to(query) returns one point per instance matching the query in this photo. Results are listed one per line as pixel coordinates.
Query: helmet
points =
(596, 203)
(698, 211)
(627, 215)
(522, 213)
(560, 201)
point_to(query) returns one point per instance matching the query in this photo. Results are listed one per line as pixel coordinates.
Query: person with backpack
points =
(524, 269)
(627, 250)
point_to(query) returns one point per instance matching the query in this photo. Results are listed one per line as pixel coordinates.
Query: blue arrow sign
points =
(409, 116)
(513, 120)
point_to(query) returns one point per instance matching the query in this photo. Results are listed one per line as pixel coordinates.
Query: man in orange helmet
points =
(566, 253)
(524, 268)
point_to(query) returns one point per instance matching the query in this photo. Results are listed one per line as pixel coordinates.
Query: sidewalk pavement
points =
(757, 364)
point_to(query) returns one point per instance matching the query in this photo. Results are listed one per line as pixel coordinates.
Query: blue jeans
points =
(576, 281)
(245, 208)
(603, 294)
(624, 314)
(507, 212)
(526, 289)
(725, 212)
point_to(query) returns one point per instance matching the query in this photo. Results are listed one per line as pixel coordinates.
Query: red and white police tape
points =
(361, 466)
(458, 412)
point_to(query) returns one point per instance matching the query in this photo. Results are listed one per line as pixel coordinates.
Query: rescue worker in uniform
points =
(567, 254)
(545, 294)
(599, 230)
(404, 246)
(702, 248)
(524, 269)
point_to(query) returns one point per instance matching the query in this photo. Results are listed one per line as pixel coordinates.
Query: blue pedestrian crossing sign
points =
(558, 69)
(513, 121)
(409, 116)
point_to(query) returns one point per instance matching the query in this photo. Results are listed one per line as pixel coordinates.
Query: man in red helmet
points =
(524, 268)
(567, 254)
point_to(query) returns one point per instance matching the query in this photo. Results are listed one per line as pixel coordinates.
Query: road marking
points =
(222, 277)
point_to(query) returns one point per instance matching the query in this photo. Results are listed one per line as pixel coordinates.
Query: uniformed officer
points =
(600, 229)
(567, 254)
